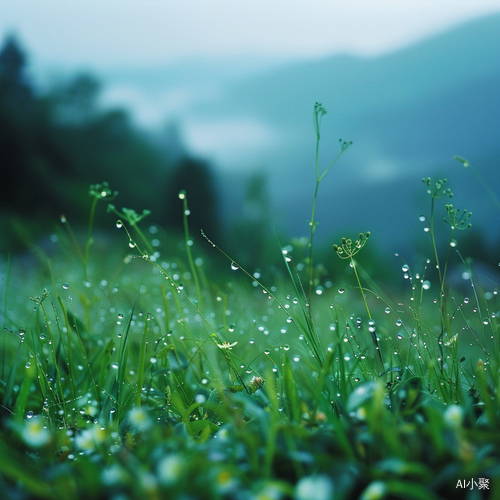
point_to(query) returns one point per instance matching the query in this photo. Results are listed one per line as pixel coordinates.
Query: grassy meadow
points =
(137, 367)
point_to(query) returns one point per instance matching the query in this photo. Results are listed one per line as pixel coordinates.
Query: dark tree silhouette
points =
(15, 91)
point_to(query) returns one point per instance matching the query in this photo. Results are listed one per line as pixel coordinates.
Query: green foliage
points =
(154, 375)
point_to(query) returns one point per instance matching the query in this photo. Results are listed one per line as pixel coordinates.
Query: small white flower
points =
(226, 345)
(35, 433)
(314, 488)
(170, 469)
(114, 474)
(88, 439)
(454, 416)
(139, 419)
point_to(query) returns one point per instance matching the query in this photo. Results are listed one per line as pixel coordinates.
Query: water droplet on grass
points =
(234, 266)
(341, 290)
(65, 285)
(119, 224)
(387, 310)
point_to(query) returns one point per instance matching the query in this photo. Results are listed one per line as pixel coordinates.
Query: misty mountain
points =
(407, 112)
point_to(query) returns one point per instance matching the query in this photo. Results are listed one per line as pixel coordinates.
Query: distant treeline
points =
(54, 144)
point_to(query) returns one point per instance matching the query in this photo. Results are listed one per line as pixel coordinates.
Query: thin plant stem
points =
(318, 113)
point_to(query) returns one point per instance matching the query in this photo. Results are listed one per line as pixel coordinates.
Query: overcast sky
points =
(104, 33)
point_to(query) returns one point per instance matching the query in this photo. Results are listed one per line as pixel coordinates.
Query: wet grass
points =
(130, 373)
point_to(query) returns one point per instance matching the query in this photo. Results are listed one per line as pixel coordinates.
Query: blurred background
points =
(217, 98)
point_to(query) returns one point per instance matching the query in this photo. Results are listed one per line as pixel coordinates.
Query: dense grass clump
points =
(160, 374)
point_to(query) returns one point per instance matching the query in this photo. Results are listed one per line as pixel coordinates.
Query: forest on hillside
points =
(56, 142)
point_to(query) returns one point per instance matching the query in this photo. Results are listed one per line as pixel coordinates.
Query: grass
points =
(148, 375)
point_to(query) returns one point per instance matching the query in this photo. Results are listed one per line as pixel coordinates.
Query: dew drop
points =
(119, 224)
(387, 310)
(399, 322)
(426, 285)
(234, 266)
(286, 347)
(42, 336)
(28, 364)
(131, 243)
(65, 285)
(341, 290)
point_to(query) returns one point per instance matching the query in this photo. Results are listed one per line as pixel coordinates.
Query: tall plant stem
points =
(319, 111)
